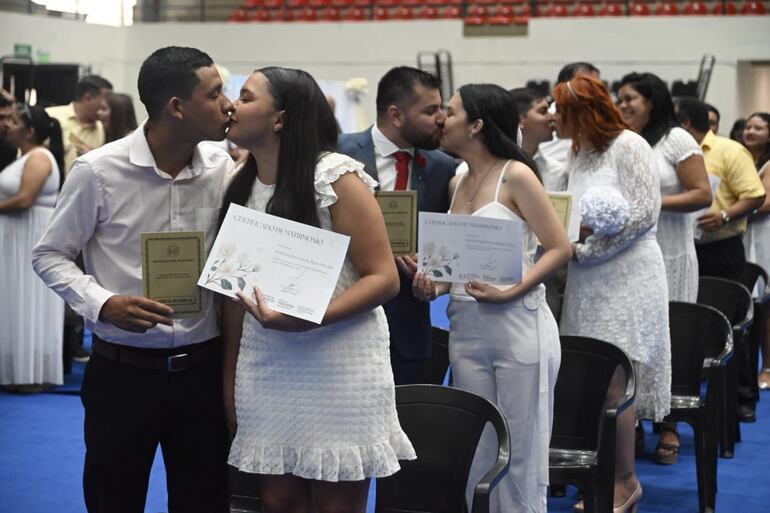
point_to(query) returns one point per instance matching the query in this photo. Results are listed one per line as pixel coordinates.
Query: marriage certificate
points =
(295, 266)
(459, 248)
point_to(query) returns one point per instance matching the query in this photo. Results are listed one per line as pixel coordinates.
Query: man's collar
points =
(384, 146)
(141, 155)
(708, 140)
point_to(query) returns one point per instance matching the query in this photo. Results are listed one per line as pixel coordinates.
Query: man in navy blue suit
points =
(400, 152)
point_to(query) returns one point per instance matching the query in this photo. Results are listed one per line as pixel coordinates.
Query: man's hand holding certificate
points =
(295, 266)
(461, 248)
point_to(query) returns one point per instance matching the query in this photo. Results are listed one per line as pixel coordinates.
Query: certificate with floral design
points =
(296, 266)
(459, 248)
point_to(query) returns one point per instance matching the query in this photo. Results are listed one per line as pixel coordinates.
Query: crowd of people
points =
(311, 408)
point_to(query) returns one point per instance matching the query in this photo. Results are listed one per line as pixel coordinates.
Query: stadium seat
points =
(730, 9)
(388, 3)
(639, 9)
(611, 9)
(403, 13)
(262, 15)
(503, 15)
(667, 9)
(306, 14)
(362, 3)
(695, 8)
(381, 13)
(477, 15)
(356, 14)
(453, 12)
(331, 14)
(753, 8)
(271, 4)
(342, 4)
(584, 9)
(557, 11)
(239, 15)
(428, 13)
(252, 4)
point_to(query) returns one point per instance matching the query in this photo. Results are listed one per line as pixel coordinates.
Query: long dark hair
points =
(45, 127)
(662, 115)
(309, 129)
(122, 116)
(496, 107)
(765, 155)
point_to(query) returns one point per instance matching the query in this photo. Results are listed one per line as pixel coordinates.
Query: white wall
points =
(669, 46)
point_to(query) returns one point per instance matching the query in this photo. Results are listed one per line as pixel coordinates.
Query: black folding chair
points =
(582, 449)
(444, 425)
(701, 340)
(755, 278)
(735, 302)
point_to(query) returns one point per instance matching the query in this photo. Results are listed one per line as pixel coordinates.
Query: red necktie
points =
(402, 170)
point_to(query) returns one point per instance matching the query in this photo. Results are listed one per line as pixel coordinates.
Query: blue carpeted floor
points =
(41, 458)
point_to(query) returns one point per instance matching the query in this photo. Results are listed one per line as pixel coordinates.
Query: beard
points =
(420, 139)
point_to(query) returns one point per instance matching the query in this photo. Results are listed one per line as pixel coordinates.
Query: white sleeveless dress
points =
(31, 315)
(617, 290)
(318, 404)
(510, 354)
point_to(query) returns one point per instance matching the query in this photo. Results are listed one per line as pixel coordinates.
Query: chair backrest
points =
(444, 425)
(697, 332)
(587, 367)
(729, 297)
(439, 357)
(753, 275)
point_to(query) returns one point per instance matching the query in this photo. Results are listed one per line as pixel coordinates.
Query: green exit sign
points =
(22, 51)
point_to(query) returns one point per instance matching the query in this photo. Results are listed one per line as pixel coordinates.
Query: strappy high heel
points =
(764, 379)
(632, 503)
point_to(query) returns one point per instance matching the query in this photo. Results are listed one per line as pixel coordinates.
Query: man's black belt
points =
(168, 360)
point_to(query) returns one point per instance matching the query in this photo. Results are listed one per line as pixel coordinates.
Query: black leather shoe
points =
(746, 413)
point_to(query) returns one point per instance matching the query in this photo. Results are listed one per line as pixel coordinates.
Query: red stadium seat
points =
(730, 9)
(695, 8)
(429, 13)
(331, 14)
(306, 14)
(272, 4)
(262, 15)
(477, 15)
(557, 11)
(612, 10)
(412, 3)
(362, 3)
(356, 14)
(639, 9)
(239, 16)
(403, 13)
(387, 3)
(584, 10)
(341, 4)
(753, 8)
(503, 15)
(252, 4)
(667, 9)
(381, 13)
(318, 4)
(296, 3)
(453, 12)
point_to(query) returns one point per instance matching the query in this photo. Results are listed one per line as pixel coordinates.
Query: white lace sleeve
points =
(639, 184)
(330, 167)
(678, 145)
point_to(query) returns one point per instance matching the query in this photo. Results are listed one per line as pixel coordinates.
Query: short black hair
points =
(524, 98)
(91, 84)
(167, 73)
(397, 86)
(694, 111)
(569, 71)
(713, 109)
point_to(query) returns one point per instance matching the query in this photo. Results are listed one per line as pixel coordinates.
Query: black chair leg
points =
(701, 465)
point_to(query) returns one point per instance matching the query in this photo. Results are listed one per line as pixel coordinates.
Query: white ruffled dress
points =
(318, 404)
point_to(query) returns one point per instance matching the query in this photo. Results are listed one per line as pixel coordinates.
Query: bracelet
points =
(725, 217)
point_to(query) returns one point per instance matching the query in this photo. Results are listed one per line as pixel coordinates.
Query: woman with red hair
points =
(616, 286)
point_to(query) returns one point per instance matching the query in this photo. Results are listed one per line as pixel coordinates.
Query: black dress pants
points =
(129, 411)
(726, 259)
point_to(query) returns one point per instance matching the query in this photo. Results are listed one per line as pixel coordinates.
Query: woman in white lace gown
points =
(31, 316)
(504, 341)
(616, 287)
(312, 407)
(646, 107)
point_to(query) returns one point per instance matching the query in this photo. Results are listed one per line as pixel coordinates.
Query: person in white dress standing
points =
(504, 341)
(312, 408)
(616, 287)
(647, 108)
(756, 137)
(32, 315)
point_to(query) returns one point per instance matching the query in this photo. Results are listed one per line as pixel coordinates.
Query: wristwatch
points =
(725, 217)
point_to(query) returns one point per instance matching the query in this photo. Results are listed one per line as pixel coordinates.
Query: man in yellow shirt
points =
(720, 249)
(80, 125)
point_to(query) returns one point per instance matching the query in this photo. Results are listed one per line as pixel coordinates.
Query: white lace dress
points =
(31, 315)
(318, 404)
(617, 291)
(675, 229)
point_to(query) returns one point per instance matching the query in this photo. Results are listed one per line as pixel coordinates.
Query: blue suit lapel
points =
(365, 154)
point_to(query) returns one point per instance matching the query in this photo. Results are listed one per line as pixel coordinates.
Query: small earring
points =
(470, 135)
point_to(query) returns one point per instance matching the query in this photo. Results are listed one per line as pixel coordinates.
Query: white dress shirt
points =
(112, 195)
(551, 159)
(386, 162)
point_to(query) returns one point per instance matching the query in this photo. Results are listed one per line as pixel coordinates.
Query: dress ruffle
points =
(353, 463)
(329, 169)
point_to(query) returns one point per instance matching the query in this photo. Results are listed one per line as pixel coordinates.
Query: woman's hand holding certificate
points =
(295, 265)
